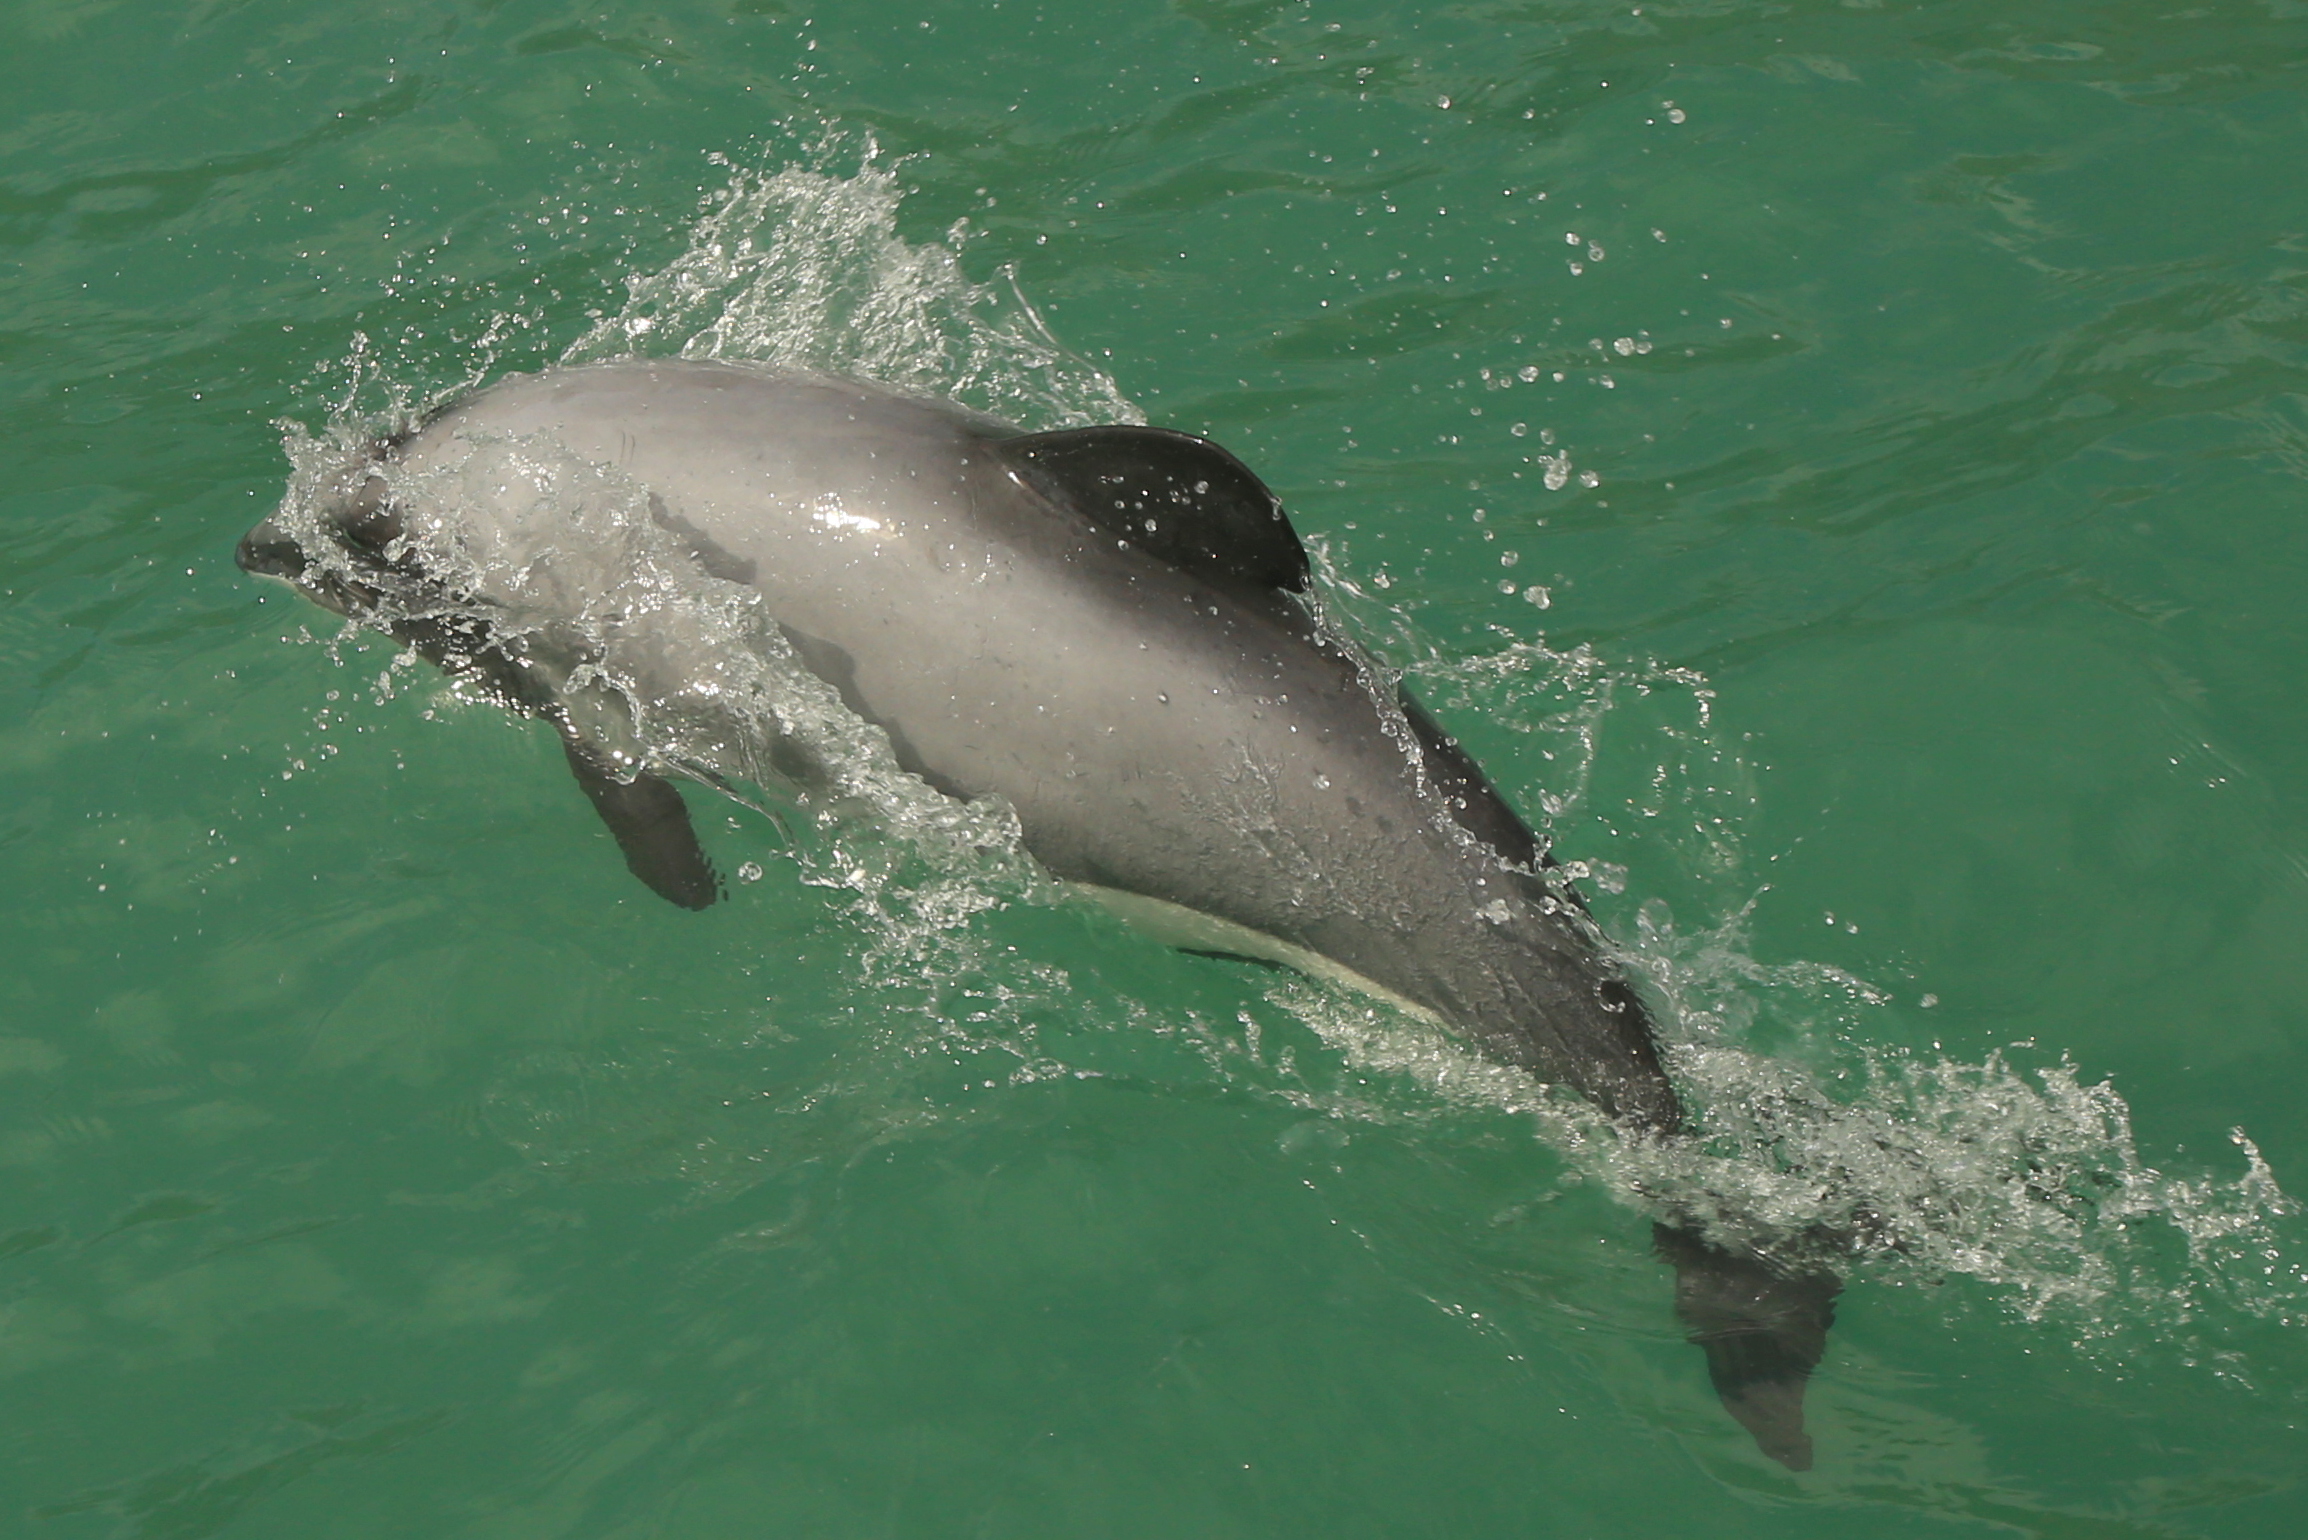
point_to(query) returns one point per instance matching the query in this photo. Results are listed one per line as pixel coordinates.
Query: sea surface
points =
(1841, 467)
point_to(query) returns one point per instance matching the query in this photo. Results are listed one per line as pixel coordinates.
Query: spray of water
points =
(2017, 1170)
(802, 268)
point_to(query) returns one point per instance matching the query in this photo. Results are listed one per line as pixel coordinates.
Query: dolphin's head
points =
(349, 560)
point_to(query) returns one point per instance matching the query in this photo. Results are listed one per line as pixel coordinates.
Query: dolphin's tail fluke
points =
(1763, 1327)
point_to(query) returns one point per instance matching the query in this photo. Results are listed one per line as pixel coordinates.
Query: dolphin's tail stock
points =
(1763, 1326)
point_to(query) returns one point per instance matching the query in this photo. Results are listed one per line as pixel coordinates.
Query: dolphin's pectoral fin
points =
(1763, 1328)
(1178, 498)
(651, 825)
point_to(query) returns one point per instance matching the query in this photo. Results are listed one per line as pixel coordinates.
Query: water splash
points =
(801, 267)
(2025, 1176)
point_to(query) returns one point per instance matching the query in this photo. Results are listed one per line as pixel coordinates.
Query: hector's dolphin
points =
(1106, 628)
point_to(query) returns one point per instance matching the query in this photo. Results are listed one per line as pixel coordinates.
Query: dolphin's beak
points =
(269, 551)
(1763, 1328)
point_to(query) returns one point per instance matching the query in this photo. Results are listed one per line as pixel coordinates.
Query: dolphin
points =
(1110, 629)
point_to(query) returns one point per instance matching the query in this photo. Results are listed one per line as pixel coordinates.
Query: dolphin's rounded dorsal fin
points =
(1175, 497)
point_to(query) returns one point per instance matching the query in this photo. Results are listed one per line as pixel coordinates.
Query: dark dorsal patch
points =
(1178, 498)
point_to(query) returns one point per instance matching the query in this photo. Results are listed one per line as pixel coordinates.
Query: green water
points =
(1919, 674)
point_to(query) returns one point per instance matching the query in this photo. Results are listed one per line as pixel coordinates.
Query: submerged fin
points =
(1177, 498)
(651, 826)
(1763, 1328)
